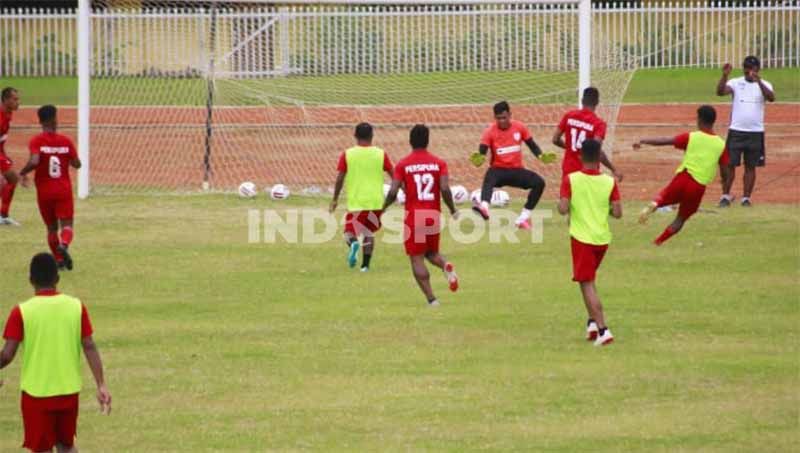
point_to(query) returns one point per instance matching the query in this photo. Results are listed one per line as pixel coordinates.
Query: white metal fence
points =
(398, 39)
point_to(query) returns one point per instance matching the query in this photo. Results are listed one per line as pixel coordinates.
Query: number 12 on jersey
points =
(424, 183)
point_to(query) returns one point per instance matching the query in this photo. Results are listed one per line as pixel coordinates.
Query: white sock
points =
(524, 215)
(485, 204)
(727, 197)
(745, 199)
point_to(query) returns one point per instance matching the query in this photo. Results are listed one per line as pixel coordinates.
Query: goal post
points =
(174, 98)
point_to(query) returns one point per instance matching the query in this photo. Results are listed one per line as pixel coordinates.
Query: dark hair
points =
(501, 107)
(6, 93)
(44, 271)
(706, 115)
(364, 131)
(590, 150)
(751, 61)
(47, 113)
(591, 96)
(419, 136)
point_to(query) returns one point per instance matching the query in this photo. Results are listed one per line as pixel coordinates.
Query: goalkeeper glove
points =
(548, 157)
(477, 159)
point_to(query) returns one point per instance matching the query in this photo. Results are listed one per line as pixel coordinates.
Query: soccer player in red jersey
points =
(704, 151)
(577, 126)
(52, 329)
(51, 156)
(504, 138)
(425, 179)
(588, 197)
(9, 103)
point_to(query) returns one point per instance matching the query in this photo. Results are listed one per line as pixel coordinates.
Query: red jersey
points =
(577, 126)
(5, 124)
(421, 173)
(506, 144)
(52, 174)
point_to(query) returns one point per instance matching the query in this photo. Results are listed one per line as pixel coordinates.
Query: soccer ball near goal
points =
(247, 189)
(460, 194)
(500, 198)
(279, 192)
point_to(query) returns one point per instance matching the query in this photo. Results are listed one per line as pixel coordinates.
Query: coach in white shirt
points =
(746, 132)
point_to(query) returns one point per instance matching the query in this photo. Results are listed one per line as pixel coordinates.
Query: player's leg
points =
(64, 212)
(669, 195)
(370, 223)
(735, 145)
(749, 184)
(66, 427)
(586, 259)
(692, 196)
(490, 181)
(439, 260)
(64, 449)
(423, 278)
(7, 191)
(39, 425)
(351, 239)
(525, 179)
(753, 157)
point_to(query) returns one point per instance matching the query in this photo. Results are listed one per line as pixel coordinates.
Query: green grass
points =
(212, 343)
(647, 86)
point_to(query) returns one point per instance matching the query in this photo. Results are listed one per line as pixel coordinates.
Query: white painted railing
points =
(398, 39)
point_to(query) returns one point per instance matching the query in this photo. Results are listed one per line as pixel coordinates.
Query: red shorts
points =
(685, 190)
(49, 421)
(5, 163)
(586, 259)
(361, 222)
(53, 209)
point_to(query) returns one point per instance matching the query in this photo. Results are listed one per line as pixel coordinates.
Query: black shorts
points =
(751, 144)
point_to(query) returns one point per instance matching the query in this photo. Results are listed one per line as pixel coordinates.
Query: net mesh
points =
(187, 99)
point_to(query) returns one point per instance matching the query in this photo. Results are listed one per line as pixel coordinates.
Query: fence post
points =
(585, 46)
(84, 45)
(283, 40)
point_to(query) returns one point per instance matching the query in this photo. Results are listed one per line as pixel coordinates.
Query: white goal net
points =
(185, 98)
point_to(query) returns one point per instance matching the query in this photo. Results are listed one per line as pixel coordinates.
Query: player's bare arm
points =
(337, 190)
(8, 353)
(722, 86)
(769, 95)
(391, 196)
(607, 163)
(616, 209)
(33, 162)
(447, 195)
(657, 141)
(563, 206)
(558, 138)
(96, 365)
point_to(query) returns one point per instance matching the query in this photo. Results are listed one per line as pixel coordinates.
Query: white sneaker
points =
(433, 303)
(452, 278)
(9, 221)
(365, 269)
(604, 339)
(591, 331)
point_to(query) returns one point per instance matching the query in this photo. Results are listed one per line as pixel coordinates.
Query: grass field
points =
(212, 343)
(647, 86)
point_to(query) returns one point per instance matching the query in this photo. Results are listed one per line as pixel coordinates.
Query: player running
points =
(588, 196)
(9, 103)
(704, 151)
(504, 139)
(424, 177)
(51, 155)
(361, 173)
(579, 125)
(52, 329)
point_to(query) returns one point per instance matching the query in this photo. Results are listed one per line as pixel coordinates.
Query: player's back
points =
(579, 125)
(5, 124)
(421, 173)
(55, 153)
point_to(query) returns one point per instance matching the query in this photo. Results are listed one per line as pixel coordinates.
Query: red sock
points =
(66, 235)
(52, 241)
(668, 232)
(6, 195)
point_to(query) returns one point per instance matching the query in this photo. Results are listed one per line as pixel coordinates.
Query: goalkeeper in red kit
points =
(51, 156)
